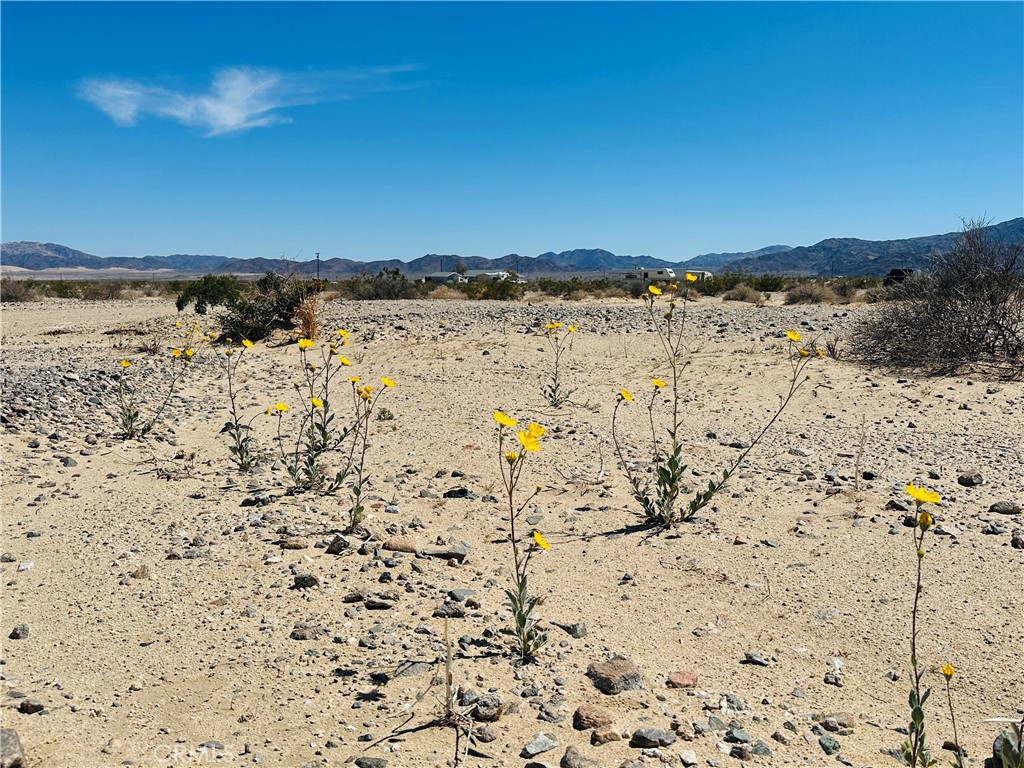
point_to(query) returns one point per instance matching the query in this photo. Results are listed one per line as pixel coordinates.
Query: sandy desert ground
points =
(158, 592)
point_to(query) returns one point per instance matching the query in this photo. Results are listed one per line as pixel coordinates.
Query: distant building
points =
(445, 278)
(485, 275)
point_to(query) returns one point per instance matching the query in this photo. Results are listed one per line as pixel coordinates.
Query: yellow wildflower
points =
(342, 333)
(317, 402)
(344, 360)
(189, 352)
(354, 379)
(280, 407)
(229, 352)
(246, 343)
(177, 324)
(658, 383)
(804, 352)
(126, 363)
(528, 441)
(572, 329)
(539, 540)
(176, 352)
(305, 343)
(792, 335)
(819, 352)
(504, 419)
(387, 382)
(626, 395)
(535, 430)
(691, 278)
(925, 521)
(673, 287)
(922, 495)
(947, 670)
(364, 392)
(655, 290)
(269, 410)
(511, 457)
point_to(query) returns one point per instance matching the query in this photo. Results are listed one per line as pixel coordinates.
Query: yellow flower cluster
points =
(530, 437)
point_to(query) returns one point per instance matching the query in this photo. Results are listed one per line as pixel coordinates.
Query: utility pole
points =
(318, 265)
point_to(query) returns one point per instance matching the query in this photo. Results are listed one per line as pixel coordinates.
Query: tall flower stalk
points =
(914, 750)
(659, 502)
(243, 444)
(555, 392)
(132, 421)
(512, 458)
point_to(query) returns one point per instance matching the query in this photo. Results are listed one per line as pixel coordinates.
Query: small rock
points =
(971, 478)
(588, 716)
(752, 657)
(370, 762)
(682, 679)
(31, 706)
(573, 759)
(305, 581)
(614, 676)
(338, 545)
(604, 736)
(11, 753)
(539, 744)
(20, 632)
(688, 757)
(652, 737)
(828, 744)
(488, 709)
(1006, 508)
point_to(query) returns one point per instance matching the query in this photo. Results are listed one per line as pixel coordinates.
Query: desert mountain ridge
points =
(833, 256)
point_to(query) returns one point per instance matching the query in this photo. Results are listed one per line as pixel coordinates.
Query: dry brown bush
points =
(743, 292)
(12, 290)
(966, 312)
(447, 293)
(811, 293)
(307, 317)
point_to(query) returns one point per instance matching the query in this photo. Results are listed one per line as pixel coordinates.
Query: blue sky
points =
(391, 130)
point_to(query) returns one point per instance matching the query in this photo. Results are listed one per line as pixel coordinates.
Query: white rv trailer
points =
(649, 274)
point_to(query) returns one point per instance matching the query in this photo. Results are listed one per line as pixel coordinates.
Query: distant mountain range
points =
(835, 256)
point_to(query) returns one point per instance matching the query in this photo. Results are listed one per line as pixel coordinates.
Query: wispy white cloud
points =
(239, 98)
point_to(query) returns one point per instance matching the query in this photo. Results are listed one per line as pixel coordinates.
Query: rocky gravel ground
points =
(162, 609)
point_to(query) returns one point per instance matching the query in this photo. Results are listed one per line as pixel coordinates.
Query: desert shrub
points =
(968, 309)
(252, 311)
(388, 284)
(268, 303)
(12, 291)
(60, 289)
(307, 317)
(811, 293)
(102, 290)
(498, 290)
(209, 291)
(743, 292)
(446, 293)
(726, 281)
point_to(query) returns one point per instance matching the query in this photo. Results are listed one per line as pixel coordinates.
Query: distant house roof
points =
(444, 277)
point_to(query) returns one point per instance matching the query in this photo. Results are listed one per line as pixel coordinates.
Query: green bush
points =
(728, 280)
(499, 290)
(210, 291)
(252, 311)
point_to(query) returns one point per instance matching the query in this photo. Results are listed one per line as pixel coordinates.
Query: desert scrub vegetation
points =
(511, 460)
(243, 447)
(744, 293)
(16, 291)
(726, 281)
(660, 502)
(966, 311)
(811, 292)
(252, 310)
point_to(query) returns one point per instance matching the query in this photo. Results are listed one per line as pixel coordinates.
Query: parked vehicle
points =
(897, 276)
(650, 275)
